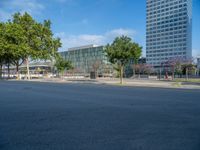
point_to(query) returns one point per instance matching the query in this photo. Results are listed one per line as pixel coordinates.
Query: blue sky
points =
(80, 22)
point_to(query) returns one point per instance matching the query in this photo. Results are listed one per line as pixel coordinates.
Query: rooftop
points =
(82, 47)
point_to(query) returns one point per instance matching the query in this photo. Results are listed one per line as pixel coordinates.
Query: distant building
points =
(89, 58)
(37, 69)
(168, 30)
(129, 67)
(142, 60)
(198, 62)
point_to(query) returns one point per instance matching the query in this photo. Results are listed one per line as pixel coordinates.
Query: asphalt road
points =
(47, 116)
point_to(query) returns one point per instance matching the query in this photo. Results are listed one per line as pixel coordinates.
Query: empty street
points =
(49, 116)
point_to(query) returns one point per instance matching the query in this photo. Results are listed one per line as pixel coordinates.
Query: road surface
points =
(49, 116)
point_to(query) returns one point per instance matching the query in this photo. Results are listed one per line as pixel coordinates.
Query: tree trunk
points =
(8, 70)
(173, 75)
(139, 73)
(134, 71)
(186, 73)
(121, 74)
(27, 68)
(62, 74)
(17, 70)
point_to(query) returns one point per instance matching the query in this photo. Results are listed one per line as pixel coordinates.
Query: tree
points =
(138, 69)
(187, 67)
(56, 44)
(62, 65)
(6, 47)
(39, 41)
(121, 51)
(15, 45)
(22, 38)
(144, 69)
(148, 69)
(135, 56)
(178, 65)
(2, 47)
(175, 65)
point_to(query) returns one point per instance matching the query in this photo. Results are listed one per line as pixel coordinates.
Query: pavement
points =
(153, 83)
(127, 82)
(82, 116)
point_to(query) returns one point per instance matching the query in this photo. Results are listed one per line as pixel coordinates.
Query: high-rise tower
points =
(168, 30)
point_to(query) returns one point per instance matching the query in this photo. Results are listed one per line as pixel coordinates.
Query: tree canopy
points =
(23, 38)
(62, 65)
(121, 51)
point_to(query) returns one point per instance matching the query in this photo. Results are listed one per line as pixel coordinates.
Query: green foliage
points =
(121, 51)
(23, 37)
(56, 44)
(38, 36)
(62, 64)
(15, 46)
(2, 43)
(188, 68)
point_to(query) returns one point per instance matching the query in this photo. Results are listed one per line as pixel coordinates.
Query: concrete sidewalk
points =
(152, 83)
(127, 82)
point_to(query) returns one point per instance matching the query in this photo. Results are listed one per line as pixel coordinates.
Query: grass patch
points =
(189, 80)
(176, 84)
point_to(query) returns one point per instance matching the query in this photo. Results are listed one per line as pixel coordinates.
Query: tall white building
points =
(168, 30)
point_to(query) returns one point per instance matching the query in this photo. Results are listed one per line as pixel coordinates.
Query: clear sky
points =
(80, 22)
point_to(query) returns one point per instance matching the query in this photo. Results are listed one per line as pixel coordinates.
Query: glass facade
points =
(198, 63)
(168, 30)
(87, 59)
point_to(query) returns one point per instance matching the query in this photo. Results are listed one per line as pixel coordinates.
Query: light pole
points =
(160, 76)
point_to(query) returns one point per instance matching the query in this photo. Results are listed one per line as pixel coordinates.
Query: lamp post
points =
(160, 71)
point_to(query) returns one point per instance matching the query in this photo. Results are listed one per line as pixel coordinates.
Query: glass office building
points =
(86, 59)
(198, 62)
(168, 30)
